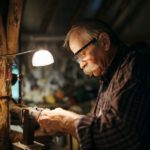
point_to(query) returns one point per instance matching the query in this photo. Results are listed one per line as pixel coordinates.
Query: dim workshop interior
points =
(31, 30)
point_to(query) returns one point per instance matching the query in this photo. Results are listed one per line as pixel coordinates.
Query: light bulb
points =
(42, 58)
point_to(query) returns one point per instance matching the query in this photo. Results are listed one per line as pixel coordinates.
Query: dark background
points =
(44, 25)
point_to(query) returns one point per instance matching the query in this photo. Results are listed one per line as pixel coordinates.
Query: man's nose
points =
(82, 64)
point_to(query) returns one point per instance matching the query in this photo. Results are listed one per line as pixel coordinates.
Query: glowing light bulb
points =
(42, 58)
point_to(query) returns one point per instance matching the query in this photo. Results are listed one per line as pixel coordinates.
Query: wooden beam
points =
(128, 16)
(3, 49)
(102, 13)
(123, 6)
(4, 115)
(13, 24)
(50, 10)
(79, 10)
(8, 44)
(4, 126)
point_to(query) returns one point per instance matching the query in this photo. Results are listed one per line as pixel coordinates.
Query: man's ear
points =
(104, 40)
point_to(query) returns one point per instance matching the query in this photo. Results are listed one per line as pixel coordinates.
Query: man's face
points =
(91, 58)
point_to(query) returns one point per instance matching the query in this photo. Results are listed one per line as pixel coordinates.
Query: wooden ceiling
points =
(49, 20)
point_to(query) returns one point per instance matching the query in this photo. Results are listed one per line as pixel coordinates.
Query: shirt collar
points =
(109, 72)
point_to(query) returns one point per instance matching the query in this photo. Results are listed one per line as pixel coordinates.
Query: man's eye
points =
(83, 53)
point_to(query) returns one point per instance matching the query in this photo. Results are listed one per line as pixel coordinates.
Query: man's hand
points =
(59, 121)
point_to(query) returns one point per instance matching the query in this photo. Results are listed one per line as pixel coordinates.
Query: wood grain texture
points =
(4, 114)
(3, 49)
(13, 24)
(7, 46)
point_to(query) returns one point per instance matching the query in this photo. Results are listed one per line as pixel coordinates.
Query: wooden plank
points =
(4, 114)
(4, 126)
(4, 117)
(50, 9)
(8, 45)
(3, 49)
(79, 10)
(13, 24)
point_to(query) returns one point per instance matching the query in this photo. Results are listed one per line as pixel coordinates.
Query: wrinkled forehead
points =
(78, 38)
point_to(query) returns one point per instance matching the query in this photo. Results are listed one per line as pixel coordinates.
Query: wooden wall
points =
(9, 35)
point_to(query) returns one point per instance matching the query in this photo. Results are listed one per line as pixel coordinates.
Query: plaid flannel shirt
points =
(122, 112)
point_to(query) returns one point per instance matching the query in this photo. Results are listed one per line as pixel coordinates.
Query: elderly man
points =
(120, 120)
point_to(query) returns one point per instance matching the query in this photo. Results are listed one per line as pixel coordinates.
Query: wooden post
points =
(13, 24)
(4, 117)
(8, 45)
